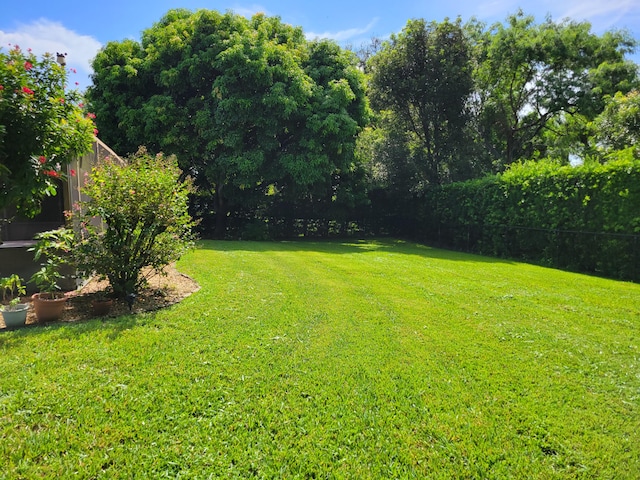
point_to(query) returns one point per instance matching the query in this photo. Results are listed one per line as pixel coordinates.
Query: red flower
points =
(95, 131)
(42, 159)
(72, 172)
(91, 115)
(27, 90)
(81, 105)
(28, 66)
(51, 173)
(1, 87)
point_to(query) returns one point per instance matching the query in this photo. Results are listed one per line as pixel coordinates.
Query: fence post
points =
(635, 258)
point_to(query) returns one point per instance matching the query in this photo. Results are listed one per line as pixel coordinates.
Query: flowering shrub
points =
(42, 125)
(145, 221)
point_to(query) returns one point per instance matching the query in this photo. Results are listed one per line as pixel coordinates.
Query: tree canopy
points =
(618, 126)
(422, 78)
(265, 120)
(455, 102)
(250, 108)
(529, 75)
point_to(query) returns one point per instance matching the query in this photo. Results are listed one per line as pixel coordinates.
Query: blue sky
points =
(81, 28)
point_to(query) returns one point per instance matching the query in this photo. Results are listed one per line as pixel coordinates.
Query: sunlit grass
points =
(375, 359)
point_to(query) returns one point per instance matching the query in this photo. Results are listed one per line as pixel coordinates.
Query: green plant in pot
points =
(54, 248)
(13, 311)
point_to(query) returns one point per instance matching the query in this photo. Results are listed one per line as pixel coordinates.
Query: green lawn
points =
(376, 359)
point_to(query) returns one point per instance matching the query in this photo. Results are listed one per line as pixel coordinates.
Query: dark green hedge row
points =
(584, 218)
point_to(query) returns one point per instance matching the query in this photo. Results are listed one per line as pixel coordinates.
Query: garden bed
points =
(162, 291)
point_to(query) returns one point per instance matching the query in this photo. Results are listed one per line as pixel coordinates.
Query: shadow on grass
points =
(113, 326)
(348, 246)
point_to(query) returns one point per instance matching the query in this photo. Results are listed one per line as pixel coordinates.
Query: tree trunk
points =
(222, 212)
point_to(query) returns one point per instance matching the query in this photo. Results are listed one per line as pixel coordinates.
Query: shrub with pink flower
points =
(144, 207)
(42, 127)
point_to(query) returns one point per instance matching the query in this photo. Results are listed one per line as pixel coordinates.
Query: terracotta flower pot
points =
(48, 307)
(101, 307)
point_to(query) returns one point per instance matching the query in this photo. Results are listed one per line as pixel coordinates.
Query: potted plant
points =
(54, 247)
(101, 304)
(14, 313)
(48, 304)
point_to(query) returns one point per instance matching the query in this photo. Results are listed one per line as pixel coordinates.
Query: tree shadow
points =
(75, 330)
(349, 247)
(116, 325)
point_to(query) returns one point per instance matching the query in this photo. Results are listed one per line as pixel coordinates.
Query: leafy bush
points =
(136, 217)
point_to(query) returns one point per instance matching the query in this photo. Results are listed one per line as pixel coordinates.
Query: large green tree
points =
(532, 78)
(421, 80)
(248, 106)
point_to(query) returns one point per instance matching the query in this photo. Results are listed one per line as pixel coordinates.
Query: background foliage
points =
(531, 79)
(420, 80)
(291, 149)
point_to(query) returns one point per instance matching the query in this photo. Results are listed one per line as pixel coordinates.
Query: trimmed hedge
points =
(584, 218)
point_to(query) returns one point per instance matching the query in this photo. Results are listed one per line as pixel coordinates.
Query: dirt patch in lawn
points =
(162, 291)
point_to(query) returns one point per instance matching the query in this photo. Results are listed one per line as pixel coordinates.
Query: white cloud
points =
(250, 11)
(598, 8)
(602, 15)
(43, 36)
(343, 35)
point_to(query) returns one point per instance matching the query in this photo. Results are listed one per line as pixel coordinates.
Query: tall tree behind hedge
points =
(618, 126)
(422, 79)
(249, 107)
(532, 77)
